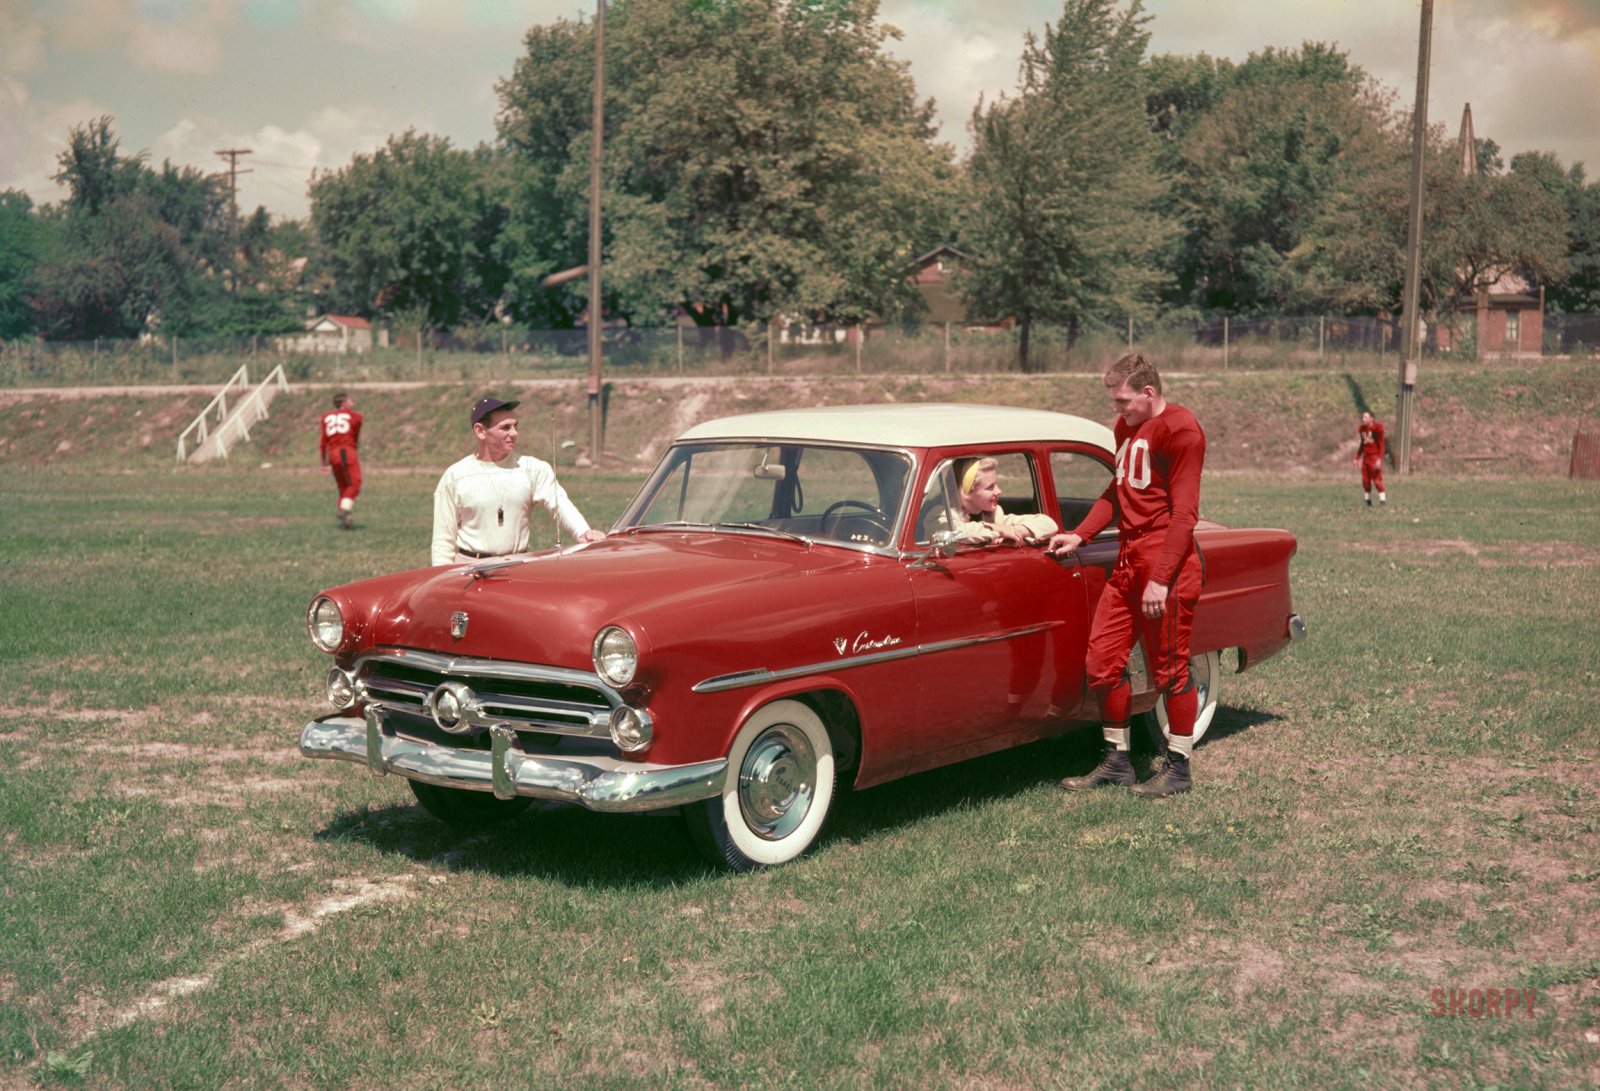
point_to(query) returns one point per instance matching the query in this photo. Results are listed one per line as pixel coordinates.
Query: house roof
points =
(943, 248)
(346, 320)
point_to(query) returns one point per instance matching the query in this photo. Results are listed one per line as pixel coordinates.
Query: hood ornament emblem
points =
(458, 624)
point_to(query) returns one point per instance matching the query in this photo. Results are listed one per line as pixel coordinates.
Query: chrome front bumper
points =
(598, 783)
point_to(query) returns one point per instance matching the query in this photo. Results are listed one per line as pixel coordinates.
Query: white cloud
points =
(954, 63)
(186, 77)
(189, 49)
(280, 162)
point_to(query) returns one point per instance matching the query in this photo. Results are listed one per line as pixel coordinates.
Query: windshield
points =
(851, 496)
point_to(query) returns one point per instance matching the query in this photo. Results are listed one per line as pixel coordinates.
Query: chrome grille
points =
(528, 697)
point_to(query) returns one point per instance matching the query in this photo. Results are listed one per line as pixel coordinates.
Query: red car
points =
(782, 605)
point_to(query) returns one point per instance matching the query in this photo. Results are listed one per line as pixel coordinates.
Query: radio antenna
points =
(556, 516)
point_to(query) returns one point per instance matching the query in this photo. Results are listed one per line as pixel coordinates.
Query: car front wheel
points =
(778, 790)
(465, 809)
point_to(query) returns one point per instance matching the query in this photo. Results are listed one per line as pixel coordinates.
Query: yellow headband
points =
(969, 476)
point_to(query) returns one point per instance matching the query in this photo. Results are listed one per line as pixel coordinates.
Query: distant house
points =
(334, 333)
(1506, 317)
(934, 274)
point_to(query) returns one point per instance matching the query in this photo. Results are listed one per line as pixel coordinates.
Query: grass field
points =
(1404, 806)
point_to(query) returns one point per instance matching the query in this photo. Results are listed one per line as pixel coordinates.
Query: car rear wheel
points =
(777, 794)
(1204, 670)
(465, 809)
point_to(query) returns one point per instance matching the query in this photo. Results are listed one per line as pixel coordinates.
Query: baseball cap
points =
(486, 406)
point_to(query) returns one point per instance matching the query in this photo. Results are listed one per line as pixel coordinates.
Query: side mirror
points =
(942, 545)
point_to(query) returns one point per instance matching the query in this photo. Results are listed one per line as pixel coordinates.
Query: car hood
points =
(547, 607)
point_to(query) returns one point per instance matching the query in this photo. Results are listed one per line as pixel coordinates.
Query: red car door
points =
(1000, 630)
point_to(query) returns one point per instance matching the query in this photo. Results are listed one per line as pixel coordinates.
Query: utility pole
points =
(232, 156)
(596, 306)
(1410, 349)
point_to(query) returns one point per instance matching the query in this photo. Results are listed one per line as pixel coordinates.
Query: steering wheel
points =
(871, 516)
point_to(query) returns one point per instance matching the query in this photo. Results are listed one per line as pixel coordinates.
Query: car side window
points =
(1079, 479)
(940, 506)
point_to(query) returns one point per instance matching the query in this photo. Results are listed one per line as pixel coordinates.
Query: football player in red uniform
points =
(1152, 591)
(341, 432)
(1370, 457)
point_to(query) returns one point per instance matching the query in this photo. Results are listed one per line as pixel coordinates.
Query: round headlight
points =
(325, 623)
(616, 658)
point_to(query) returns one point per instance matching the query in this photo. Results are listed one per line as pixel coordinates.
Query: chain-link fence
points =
(509, 353)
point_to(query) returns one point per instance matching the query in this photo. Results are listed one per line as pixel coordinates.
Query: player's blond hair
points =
(1136, 370)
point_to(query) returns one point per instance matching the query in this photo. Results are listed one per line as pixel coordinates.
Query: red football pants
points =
(1372, 474)
(346, 466)
(1119, 622)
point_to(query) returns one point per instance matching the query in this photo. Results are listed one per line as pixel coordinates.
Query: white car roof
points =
(915, 425)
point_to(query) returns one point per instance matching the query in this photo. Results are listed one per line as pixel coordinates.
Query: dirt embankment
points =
(1492, 419)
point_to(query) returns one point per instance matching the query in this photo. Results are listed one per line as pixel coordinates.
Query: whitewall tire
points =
(1204, 670)
(779, 788)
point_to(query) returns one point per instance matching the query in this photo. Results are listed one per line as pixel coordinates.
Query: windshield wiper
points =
(685, 524)
(676, 524)
(770, 530)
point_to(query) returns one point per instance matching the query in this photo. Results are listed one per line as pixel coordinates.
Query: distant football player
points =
(341, 432)
(1369, 455)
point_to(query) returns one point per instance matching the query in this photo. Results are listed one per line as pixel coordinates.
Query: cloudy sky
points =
(306, 84)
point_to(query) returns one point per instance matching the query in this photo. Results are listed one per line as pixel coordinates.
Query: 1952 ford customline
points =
(781, 605)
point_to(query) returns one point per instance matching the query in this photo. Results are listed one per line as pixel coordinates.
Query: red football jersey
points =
(1371, 436)
(340, 428)
(1157, 487)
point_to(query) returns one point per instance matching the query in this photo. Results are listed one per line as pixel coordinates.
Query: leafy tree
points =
(544, 124)
(1579, 291)
(93, 170)
(113, 273)
(763, 158)
(1577, 288)
(1260, 151)
(412, 226)
(1486, 153)
(1066, 224)
(25, 239)
(142, 249)
(1475, 230)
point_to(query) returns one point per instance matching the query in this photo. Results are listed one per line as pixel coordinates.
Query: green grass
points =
(1408, 801)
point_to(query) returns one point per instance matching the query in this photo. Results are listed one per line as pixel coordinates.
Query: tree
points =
(763, 158)
(113, 274)
(1577, 289)
(411, 227)
(1260, 151)
(1066, 224)
(1475, 230)
(141, 249)
(92, 169)
(25, 239)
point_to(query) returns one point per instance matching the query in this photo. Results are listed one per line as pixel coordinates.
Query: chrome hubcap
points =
(777, 781)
